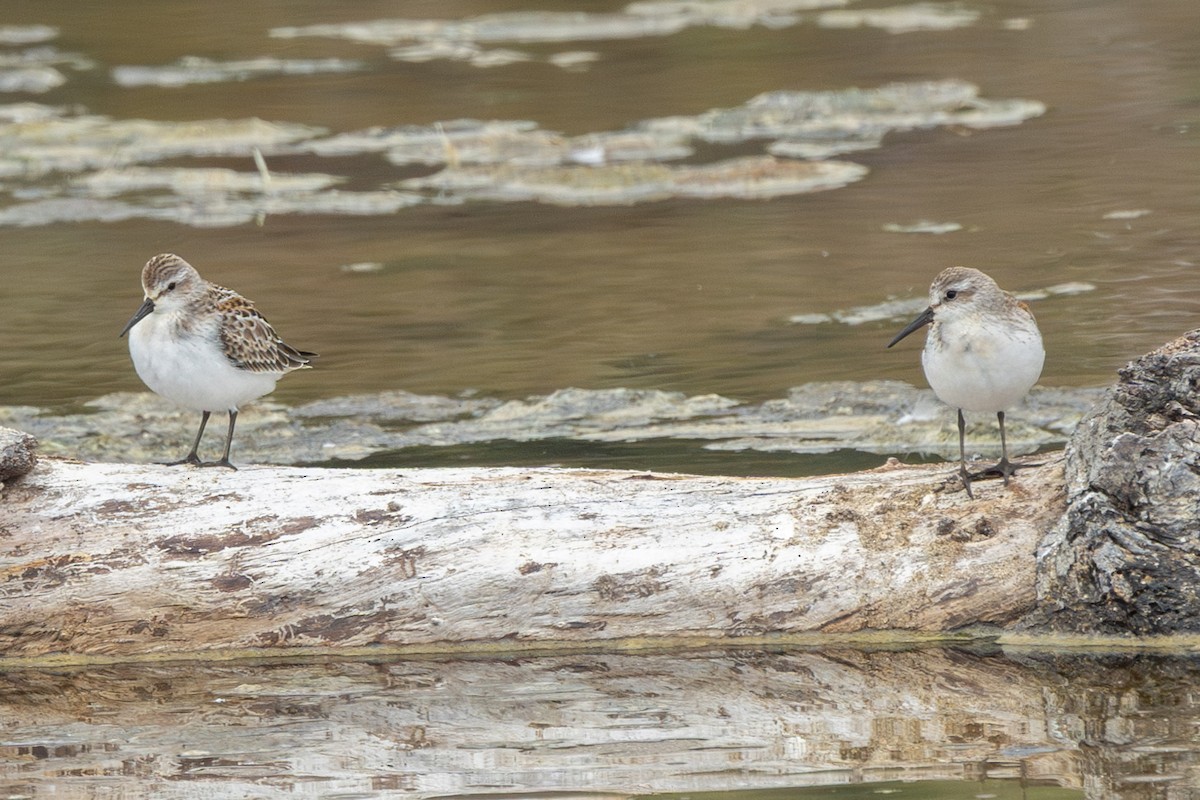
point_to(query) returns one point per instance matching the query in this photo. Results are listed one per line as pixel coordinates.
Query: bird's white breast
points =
(189, 367)
(977, 367)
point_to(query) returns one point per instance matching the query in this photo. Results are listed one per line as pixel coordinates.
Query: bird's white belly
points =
(983, 372)
(191, 369)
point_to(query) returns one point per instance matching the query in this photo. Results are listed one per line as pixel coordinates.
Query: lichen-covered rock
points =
(17, 454)
(1126, 556)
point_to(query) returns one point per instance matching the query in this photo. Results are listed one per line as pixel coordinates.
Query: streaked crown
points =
(962, 285)
(962, 292)
(166, 274)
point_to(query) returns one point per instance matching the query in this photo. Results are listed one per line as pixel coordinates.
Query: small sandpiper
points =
(983, 352)
(204, 347)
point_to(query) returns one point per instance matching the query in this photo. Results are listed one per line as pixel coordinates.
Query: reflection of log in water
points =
(1135, 719)
(622, 724)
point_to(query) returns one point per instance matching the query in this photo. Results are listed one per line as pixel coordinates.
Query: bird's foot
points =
(224, 462)
(965, 477)
(190, 458)
(1003, 469)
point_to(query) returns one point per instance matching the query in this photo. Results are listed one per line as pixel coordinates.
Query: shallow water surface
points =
(932, 723)
(504, 299)
(512, 298)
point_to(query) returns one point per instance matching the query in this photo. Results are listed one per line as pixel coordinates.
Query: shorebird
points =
(983, 352)
(204, 347)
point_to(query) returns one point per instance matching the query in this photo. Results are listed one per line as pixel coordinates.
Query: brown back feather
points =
(248, 339)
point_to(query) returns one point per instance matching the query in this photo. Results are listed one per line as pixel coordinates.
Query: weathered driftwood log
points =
(1126, 556)
(133, 560)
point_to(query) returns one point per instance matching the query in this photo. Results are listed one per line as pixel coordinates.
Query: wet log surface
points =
(145, 561)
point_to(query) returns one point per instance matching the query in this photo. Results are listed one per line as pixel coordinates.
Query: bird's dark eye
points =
(171, 286)
(950, 293)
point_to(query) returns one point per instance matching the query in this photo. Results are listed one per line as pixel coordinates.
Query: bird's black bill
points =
(918, 323)
(146, 308)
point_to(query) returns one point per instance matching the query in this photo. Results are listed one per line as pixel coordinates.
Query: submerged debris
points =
(206, 209)
(903, 19)
(194, 69)
(517, 26)
(473, 142)
(432, 144)
(905, 307)
(35, 70)
(884, 417)
(1133, 213)
(648, 18)
(482, 160)
(923, 226)
(62, 141)
(191, 181)
(517, 142)
(738, 14)
(418, 40)
(574, 59)
(27, 34)
(75, 209)
(33, 80)
(1057, 290)
(824, 146)
(479, 56)
(752, 177)
(459, 51)
(806, 125)
(362, 267)
(859, 115)
(65, 165)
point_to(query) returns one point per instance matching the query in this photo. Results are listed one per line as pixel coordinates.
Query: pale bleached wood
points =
(129, 560)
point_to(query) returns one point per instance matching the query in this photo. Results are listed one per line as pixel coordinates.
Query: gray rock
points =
(1126, 556)
(17, 455)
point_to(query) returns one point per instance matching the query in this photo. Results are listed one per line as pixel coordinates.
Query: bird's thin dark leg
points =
(193, 457)
(224, 462)
(1005, 468)
(962, 455)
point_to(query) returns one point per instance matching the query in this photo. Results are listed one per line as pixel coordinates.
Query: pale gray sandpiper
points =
(983, 352)
(204, 347)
